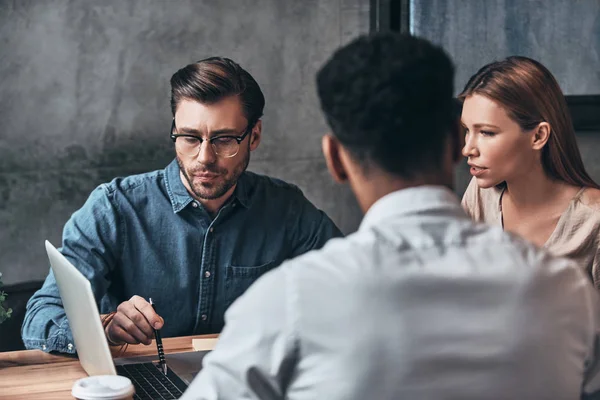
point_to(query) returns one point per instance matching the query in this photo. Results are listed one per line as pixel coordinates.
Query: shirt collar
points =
(242, 190)
(180, 197)
(411, 201)
(178, 194)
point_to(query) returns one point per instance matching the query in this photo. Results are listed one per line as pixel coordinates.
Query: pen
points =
(159, 345)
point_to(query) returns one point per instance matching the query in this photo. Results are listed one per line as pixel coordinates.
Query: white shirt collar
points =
(409, 201)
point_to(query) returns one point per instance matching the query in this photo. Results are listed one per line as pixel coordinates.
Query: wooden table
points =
(33, 374)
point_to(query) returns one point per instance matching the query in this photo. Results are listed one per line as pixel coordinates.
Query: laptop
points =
(92, 347)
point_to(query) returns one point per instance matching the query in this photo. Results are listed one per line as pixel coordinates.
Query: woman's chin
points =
(486, 183)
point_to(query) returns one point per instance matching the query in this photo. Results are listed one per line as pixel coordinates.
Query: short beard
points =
(221, 188)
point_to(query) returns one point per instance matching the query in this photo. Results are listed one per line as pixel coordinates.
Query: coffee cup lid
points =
(102, 387)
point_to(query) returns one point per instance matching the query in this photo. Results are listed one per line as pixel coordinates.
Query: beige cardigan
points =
(577, 233)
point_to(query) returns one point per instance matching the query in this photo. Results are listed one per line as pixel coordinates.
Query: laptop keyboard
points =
(151, 383)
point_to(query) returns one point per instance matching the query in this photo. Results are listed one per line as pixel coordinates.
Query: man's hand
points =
(133, 322)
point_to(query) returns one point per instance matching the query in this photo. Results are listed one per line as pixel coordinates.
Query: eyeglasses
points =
(226, 146)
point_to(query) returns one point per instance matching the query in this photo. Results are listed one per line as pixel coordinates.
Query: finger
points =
(146, 308)
(119, 335)
(122, 321)
(129, 309)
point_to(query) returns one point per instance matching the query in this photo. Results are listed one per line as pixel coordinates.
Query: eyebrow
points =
(484, 124)
(222, 131)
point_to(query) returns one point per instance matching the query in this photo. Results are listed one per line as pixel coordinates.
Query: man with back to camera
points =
(193, 236)
(420, 302)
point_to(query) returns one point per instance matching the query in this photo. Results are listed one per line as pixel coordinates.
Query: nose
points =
(206, 154)
(470, 148)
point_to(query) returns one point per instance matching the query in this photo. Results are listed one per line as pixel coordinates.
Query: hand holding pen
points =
(134, 322)
(161, 354)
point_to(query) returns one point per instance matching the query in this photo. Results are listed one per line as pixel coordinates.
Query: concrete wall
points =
(84, 89)
(84, 97)
(564, 35)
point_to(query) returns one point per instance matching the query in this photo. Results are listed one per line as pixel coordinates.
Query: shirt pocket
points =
(239, 278)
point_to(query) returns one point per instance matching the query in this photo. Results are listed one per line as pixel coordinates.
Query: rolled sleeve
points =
(49, 329)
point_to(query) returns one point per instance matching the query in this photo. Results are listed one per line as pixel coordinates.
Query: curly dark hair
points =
(388, 98)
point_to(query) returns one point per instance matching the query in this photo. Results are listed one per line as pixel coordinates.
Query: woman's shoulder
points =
(590, 198)
(584, 212)
(582, 219)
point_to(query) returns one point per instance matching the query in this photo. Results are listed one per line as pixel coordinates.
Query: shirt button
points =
(43, 347)
(212, 229)
(204, 317)
(233, 205)
(194, 204)
(70, 346)
(207, 274)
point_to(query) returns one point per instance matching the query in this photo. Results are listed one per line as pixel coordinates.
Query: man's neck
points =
(212, 206)
(372, 188)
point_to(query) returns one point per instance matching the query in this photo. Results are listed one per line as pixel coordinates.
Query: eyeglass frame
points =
(238, 139)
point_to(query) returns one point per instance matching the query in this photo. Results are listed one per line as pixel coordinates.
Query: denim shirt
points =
(145, 235)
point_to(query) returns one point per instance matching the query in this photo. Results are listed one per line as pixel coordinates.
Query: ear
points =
(255, 135)
(541, 135)
(331, 152)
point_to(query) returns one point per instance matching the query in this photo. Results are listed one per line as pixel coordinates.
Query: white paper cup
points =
(103, 387)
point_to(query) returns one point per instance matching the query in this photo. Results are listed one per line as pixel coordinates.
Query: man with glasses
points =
(193, 236)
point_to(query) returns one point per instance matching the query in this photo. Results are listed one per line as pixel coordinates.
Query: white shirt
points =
(419, 303)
